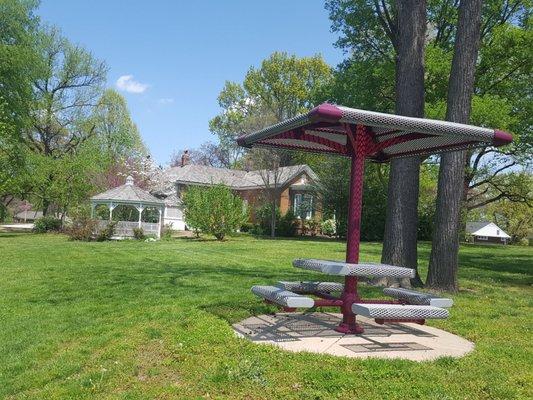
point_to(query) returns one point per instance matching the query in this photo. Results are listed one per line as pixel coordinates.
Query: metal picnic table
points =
(360, 135)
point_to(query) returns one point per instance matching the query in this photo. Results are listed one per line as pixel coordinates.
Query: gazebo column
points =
(140, 209)
(160, 222)
(93, 207)
(111, 208)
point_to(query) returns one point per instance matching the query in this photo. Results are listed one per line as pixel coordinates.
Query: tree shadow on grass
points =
(515, 270)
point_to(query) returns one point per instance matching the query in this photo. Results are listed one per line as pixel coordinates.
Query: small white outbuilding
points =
(486, 233)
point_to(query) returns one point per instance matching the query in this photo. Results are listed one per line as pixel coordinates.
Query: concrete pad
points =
(314, 332)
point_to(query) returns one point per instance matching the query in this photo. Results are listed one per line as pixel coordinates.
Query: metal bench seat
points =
(399, 311)
(414, 297)
(367, 270)
(311, 287)
(283, 297)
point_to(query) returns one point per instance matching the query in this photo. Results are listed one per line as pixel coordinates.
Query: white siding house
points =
(487, 233)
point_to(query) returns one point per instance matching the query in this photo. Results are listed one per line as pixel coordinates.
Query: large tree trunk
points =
(443, 263)
(399, 242)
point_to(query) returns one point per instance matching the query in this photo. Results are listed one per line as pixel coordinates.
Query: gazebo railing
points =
(125, 228)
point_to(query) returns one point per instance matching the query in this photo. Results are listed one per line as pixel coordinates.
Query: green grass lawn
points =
(135, 320)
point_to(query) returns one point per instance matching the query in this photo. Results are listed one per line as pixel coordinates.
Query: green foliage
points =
(214, 210)
(282, 87)
(328, 227)
(264, 216)
(503, 90)
(82, 227)
(138, 234)
(106, 233)
(19, 66)
(47, 224)
(247, 227)
(167, 232)
(311, 226)
(287, 225)
(115, 132)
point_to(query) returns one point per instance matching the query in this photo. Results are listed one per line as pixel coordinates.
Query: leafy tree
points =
(114, 129)
(214, 210)
(66, 94)
(19, 66)
(502, 94)
(282, 87)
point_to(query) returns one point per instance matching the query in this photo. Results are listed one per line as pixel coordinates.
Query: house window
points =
(497, 232)
(303, 206)
(482, 238)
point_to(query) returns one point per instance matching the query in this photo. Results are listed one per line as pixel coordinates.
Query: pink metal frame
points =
(359, 145)
(362, 144)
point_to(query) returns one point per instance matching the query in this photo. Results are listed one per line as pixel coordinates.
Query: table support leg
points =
(358, 143)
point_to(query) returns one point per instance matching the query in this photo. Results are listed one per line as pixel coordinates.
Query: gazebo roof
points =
(323, 130)
(127, 193)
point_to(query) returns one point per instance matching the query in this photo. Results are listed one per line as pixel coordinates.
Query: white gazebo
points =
(132, 196)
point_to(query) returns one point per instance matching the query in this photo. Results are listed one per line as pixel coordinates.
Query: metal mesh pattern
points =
(414, 297)
(284, 126)
(311, 287)
(326, 121)
(297, 143)
(368, 270)
(424, 143)
(283, 297)
(411, 124)
(398, 311)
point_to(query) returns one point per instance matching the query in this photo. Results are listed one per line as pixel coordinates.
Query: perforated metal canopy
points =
(325, 129)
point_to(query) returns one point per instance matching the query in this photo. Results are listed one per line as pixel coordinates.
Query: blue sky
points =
(173, 57)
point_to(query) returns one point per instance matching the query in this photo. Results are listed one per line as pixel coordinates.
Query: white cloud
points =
(166, 100)
(128, 84)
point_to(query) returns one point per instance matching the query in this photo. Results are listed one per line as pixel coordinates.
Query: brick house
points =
(294, 183)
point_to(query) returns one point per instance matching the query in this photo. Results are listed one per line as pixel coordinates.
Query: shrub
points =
(82, 227)
(257, 230)
(47, 224)
(313, 226)
(328, 227)
(107, 233)
(138, 233)
(247, 227)
(264, 215)
(167, 232)
(287, 225)
(214, 210)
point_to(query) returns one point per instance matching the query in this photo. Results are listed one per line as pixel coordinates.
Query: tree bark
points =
(399, 242)
(444, 258)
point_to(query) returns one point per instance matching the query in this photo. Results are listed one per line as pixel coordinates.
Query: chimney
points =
(185, 158)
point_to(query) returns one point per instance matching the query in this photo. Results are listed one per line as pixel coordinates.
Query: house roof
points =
(127, 193)
(485, 228)
(29, 214)
(324, 129)
(235, 179)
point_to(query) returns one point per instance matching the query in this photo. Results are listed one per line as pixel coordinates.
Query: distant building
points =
(27, 216)
(295, 183)
(486, 233)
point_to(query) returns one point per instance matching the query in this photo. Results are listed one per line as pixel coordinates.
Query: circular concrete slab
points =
(314, 332)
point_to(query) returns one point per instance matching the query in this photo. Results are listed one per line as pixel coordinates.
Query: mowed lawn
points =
(135, 320)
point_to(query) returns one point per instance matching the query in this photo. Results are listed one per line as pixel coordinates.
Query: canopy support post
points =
(358, 145)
